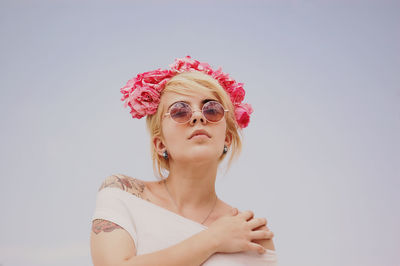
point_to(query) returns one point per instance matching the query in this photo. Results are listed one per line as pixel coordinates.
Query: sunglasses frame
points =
(202, 108)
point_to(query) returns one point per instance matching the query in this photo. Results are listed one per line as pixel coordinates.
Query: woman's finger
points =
(256, 247)
(234, 211)
(261, 234)
(246, 214)
(262, 227)
(257, 222)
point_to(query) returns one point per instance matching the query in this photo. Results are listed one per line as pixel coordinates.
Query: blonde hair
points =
(190, 83)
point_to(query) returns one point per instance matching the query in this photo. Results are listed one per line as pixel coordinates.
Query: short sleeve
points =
(111, 205)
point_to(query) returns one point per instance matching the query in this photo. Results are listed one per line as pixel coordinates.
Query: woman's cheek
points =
(174, 139)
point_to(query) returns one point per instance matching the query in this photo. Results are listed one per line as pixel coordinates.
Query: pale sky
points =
(321, 155)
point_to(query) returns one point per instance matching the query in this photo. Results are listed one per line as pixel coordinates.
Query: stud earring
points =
(165, 155)
(225, 149)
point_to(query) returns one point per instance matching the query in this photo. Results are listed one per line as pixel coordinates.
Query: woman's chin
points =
(198, 156)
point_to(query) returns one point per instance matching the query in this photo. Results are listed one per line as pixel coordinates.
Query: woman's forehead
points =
(171, 97)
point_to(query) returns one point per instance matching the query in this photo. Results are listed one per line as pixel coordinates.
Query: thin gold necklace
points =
(215, 203)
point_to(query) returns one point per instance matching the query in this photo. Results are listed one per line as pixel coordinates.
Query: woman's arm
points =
(111, 245)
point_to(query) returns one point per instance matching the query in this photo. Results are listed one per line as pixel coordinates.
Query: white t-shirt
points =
(153, 228)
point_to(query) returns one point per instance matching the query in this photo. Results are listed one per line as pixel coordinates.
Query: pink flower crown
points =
(142, 93)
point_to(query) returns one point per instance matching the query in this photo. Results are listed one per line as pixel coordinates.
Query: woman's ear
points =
(228, 139)
(159, 145)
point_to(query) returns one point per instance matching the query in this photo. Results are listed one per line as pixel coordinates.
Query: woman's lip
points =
(200, 136)
(200, 132)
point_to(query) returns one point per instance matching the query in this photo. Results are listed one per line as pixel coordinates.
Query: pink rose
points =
(150, 79)
(189, 64)
(224, 79)
(237, 93)
(155, 77)
(143, 101)
(206, 68)
(127, 89)
(242, 114)
(184, 64)
(142, 93)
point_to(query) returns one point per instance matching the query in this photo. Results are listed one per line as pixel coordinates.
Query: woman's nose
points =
(197, 116)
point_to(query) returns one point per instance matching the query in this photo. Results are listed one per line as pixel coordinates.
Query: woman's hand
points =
(235, 232)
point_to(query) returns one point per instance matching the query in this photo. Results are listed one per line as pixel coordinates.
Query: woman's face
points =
(178, 140)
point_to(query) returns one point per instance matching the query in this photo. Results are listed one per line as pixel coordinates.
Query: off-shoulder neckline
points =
(155, 206)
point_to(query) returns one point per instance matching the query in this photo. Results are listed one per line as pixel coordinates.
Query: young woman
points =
(194, 116)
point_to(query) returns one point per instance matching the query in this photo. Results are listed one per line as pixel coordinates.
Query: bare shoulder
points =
(130, 184)
(225, 207)
(221, 209)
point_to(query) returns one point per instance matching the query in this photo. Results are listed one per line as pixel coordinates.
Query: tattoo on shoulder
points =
(100, 225)
(126, 183)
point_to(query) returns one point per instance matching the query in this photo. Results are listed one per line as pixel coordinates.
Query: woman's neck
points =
(192, 186)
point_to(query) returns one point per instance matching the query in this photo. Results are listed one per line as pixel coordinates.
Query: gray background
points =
(321, 154)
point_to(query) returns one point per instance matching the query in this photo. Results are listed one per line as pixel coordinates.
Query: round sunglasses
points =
(181, 112)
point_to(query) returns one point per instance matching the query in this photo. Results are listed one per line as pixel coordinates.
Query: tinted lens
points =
(180, 112)
(213, 111)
